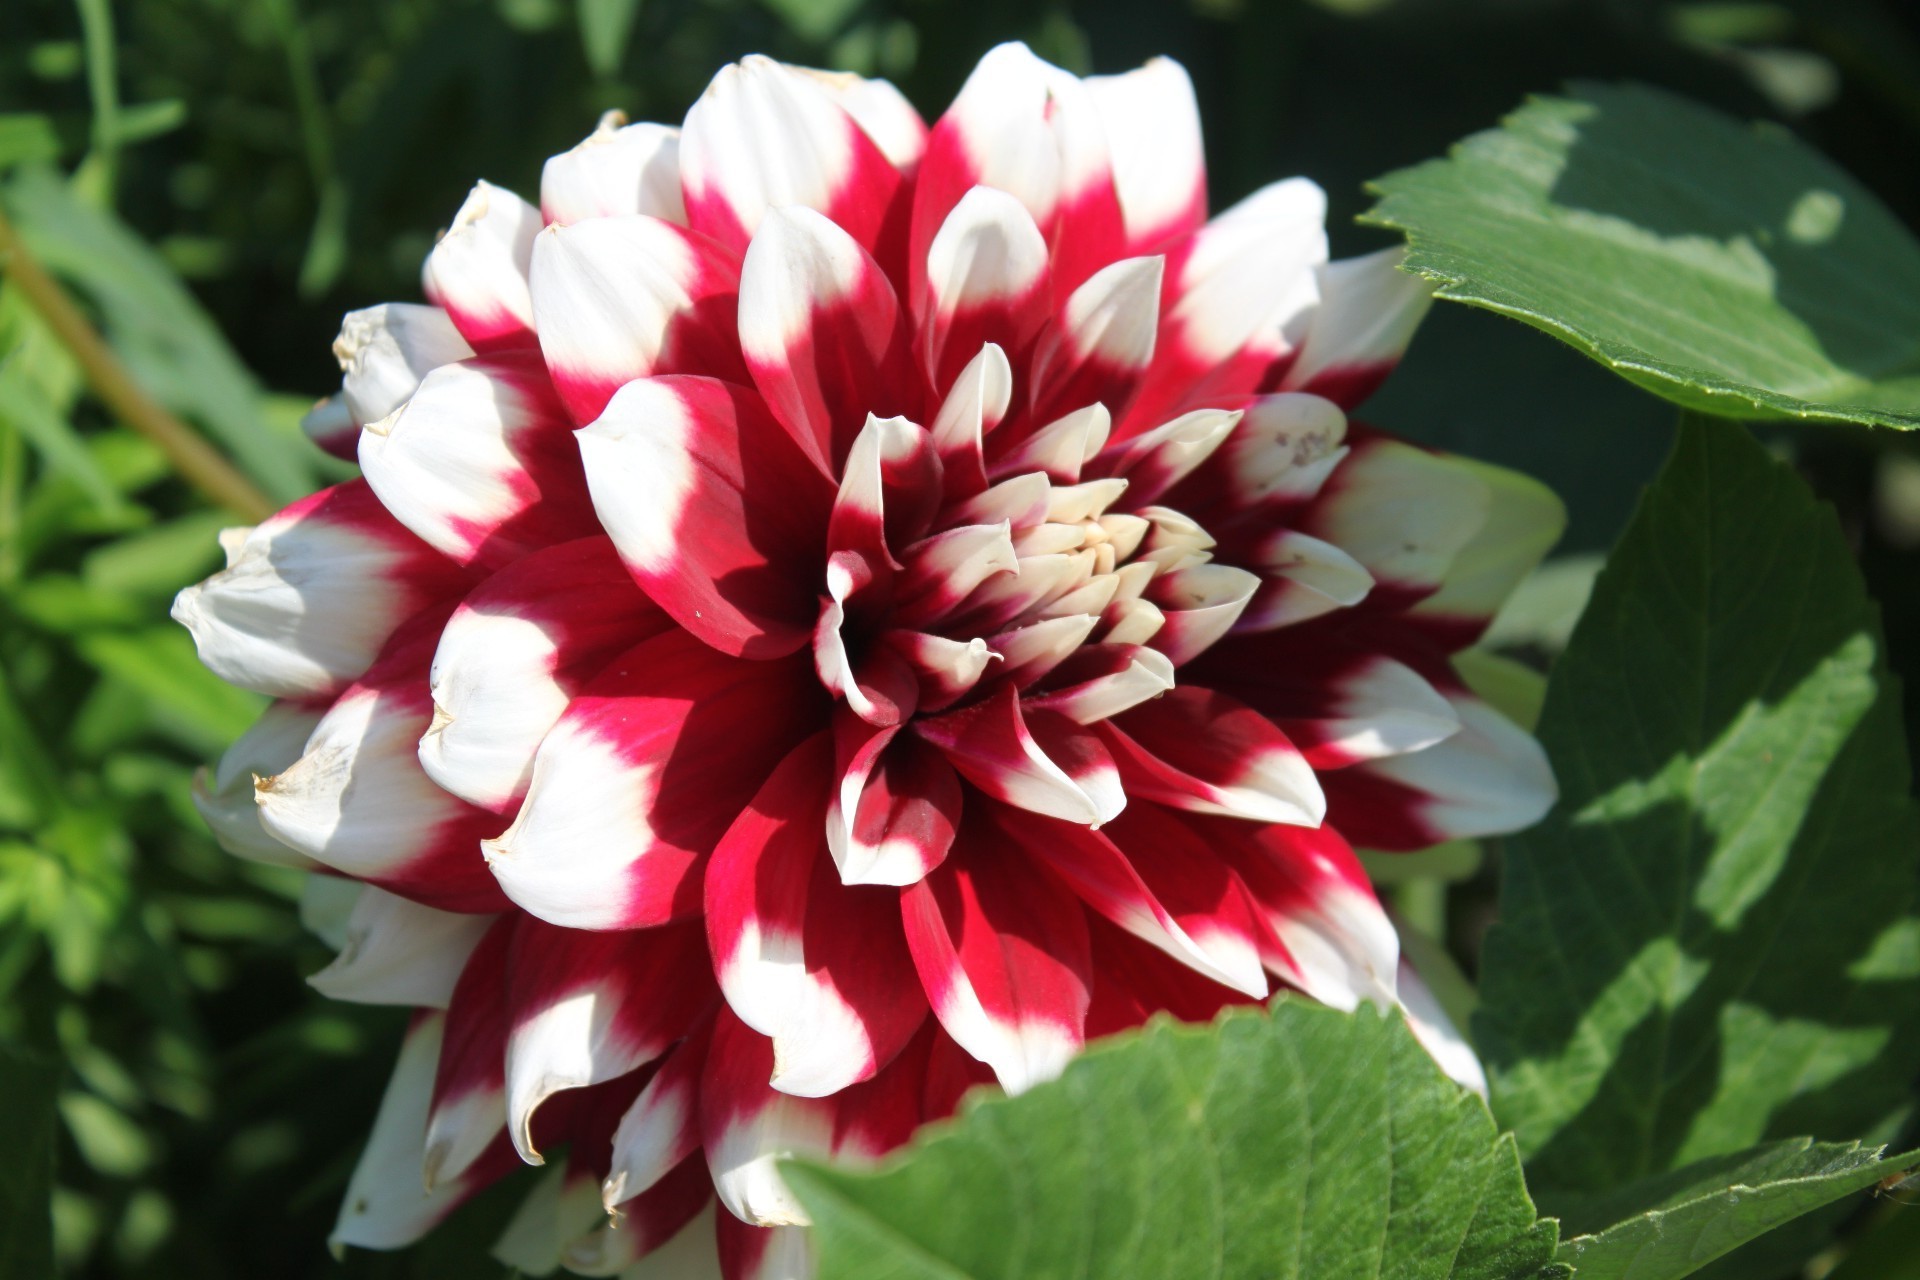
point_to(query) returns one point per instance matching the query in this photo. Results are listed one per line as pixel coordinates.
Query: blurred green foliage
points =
(217, 180)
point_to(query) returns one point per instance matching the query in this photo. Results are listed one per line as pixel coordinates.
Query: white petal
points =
(1488, 779)
(1152, 125)
(563, 1205)
(1250, 277)
(399, 952)
(1368, 311)
(619, 168)
(385, 1206)
(225, 799)
(385, 351)
(478, 270)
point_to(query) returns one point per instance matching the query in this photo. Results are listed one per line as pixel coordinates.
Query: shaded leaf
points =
(1673, 1224)
(1299, 1143)
(1723, 266)
(26, 1175)
(1711, 941)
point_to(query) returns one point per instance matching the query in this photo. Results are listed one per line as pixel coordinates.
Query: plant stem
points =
(196, 461)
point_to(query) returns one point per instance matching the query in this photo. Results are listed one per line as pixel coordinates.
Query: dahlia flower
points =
(838, 612)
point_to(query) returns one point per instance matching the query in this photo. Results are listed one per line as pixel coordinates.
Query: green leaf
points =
(1674, 1224)
(27, 139)
(1302, 1142)
(160, 662)
(1711, 941)
(1724, 266)
(605, 27)
(26, 1175)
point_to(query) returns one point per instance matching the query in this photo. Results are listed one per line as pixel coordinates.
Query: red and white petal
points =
(1436, 1033)
(587, 1007)
(1106, 880)
(385, 1206)
(747, 1127)
(1152, 124)
(642, 776)
(1059, 449)
(480, 463)
(1155, 461)
(1104, 341)
(1338, 706)
(1402, 512)
(693, 1253)
(1106, 679)
(628, 297)
(310, 594)
(1043, 763)
(987, 282)
(939, 572)
(1524, 520)
(399, 952)
(619, 168)
(662, 1127)
(358, 801)
(385, 351)
(224, 794)
(894, 811)
(994, 135)
(1338, 944)
(1367, 313)
(330, 425)
(1002, 951)
(1199, 750)
(646, 1223)
(514, 654)
(946, 669)
(1305, 578)
(765, 137)
(822, 332)
(802, 959)
(1489, 778)
(747, 1252)
(976, 404)
(1240, 295)
(715, 511)
(1201, 602)
(889, 491)
(880, 110)
(478, 270)
(469, 1111)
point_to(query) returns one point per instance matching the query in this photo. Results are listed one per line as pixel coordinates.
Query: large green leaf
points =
(1726, 267)
(1671, 1225)
(1711, 942)
(1300, 1143)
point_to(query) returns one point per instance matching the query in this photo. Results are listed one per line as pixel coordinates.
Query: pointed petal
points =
(384, 1206)
(641, 777)
(1104, 342)
(645, 1224)
(1524, 520)
(478, 270)
(803, 959)
(1002, 952)
(1108, 882)
(310, 595)
(224, 795)
(1402, 512)
(822, 332)
(1436, 1032)
(987, 281)
(619, 168)
(512, 656)
(1152, 123)
(588, 1007)
(480, 463)
(662, 1127)
(716, 513)
(1489, 778)
(1368, 311)
(469, 1111)
(1201, 602)
(385, 351)
(629, 297)
(559, 1209)
(1339, 708)
(765, 137)
(358, 801)
(399, 952)
(1044, 763)
(747, 1252)
(1197, 749)
(1339, 946)
(895, 808)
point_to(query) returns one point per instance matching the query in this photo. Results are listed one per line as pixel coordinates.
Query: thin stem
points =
(196, 461)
